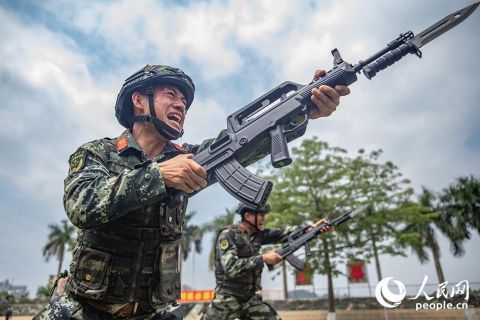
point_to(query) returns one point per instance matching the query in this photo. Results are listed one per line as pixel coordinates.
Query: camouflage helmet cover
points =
(148, 76)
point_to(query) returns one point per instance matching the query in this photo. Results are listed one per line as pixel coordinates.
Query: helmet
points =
(145, 78)
(242, 208)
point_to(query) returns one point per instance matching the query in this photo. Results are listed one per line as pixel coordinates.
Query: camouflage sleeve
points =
(231, 263)
(196, 148)
(272, 236)
(94, 196)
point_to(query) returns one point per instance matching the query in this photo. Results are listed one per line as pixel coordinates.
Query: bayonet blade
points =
(443, 26)
(358, 210)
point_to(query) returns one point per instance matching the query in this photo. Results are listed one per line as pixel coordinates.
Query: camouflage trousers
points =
(224, 307)
(66, 307)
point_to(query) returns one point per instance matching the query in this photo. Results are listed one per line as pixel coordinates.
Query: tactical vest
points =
(249, 281)
(134, 258)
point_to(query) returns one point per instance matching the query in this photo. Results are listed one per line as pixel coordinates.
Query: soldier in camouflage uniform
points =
(239, 264)
(6, 300)
(125, 262)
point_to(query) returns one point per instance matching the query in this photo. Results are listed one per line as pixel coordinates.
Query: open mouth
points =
(174, 118)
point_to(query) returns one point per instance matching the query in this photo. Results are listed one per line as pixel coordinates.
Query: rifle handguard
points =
(390, 58)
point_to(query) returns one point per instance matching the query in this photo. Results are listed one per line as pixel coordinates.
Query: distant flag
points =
(303, 278)
(357, 272)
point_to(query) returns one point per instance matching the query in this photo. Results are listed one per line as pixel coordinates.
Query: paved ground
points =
(303, 315)
(398, 314)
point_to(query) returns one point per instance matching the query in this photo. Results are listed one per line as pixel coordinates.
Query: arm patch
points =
(77, 161)
(224, 244)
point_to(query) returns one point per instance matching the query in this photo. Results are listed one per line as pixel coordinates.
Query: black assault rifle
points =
(300, 239)
(281, 115)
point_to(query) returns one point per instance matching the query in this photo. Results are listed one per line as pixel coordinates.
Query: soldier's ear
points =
(138, 102)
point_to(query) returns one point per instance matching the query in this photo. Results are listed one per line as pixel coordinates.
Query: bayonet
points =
(443, 26)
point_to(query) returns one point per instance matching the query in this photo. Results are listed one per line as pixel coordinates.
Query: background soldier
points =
(6, 301)
(239, 264)
(125, 263)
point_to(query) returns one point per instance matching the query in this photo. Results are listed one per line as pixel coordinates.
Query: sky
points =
(62, 64)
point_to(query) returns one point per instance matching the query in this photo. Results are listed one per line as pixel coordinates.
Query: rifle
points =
(281, 115)
(298, 240)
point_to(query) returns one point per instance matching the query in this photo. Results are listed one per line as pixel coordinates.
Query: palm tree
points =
(192, 234)
(424, 229)
(59, 239)
(191, 238)
(215, 226)
(460, 206)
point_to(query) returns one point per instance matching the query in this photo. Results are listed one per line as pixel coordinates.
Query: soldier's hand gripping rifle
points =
(281, 115)
(298, 240)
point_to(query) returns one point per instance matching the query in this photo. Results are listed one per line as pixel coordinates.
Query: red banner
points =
(303, 278)
(357, 272)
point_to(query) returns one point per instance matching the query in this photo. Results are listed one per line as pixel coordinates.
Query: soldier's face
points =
(250, 217)
(170, 105)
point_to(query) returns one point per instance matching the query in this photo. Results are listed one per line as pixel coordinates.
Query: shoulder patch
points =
(77, 161)
(122, 143)
(178, 147)
(224, 244)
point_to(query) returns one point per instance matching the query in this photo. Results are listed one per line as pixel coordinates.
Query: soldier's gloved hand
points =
(182, 173)
(271, 258)
(325, 98)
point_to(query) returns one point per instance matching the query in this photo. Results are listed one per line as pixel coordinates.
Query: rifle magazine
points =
(242, 184)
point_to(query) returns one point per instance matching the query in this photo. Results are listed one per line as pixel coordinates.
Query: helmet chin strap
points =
(162, 128)
(253, 225)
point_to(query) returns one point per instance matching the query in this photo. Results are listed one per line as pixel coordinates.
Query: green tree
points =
(44, 291)
(314, 185)
(382, 186)
(191, 237)
(421, 234)
(61, 237)
(191, 241)
(218, 223)
(324, 182)
(453, 212)
(460, 206)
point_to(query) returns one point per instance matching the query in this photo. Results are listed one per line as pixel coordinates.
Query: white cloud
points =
(202, 33)
(46, 65)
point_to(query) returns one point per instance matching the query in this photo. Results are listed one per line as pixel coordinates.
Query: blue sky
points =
(62, 64)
